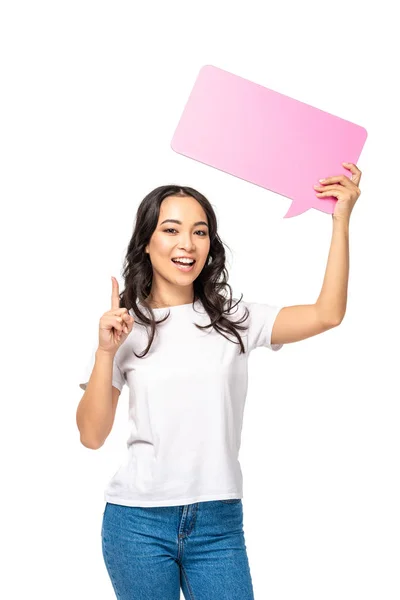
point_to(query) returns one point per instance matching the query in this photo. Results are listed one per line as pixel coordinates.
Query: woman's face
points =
(188, 238)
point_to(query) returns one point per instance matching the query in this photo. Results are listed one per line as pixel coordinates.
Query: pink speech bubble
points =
(266, 138)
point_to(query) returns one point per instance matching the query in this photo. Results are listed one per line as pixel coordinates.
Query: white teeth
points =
(185, 261)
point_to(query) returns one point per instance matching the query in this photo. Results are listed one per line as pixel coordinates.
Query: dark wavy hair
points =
(213, 279)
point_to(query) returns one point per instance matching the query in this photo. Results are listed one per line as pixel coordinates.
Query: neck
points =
(167, 302)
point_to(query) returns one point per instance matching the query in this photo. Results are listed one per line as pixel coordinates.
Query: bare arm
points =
(96, 410)
(295, 323)
(332, 300)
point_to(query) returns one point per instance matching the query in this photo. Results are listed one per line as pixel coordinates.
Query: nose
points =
(186, 243)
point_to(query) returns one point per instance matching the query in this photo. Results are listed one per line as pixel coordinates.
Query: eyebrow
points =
(180, 222)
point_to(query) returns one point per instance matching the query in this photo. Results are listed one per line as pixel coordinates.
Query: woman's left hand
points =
(344, 189)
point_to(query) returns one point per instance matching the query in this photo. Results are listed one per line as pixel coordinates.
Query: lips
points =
(182, 267)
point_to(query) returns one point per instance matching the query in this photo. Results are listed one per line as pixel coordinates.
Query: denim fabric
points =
(151, 553)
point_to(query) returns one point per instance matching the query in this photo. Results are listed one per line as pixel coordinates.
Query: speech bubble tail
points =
(294, 210)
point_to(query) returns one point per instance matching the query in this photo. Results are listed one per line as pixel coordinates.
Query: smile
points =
(184, 268)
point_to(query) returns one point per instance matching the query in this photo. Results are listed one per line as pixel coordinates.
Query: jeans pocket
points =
(231, 501)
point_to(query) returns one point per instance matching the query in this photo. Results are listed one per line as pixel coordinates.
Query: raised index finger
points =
(114, 294)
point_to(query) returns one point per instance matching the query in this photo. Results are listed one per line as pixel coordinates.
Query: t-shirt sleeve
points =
(260, 322)
(118, 379)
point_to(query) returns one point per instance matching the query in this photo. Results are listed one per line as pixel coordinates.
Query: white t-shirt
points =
(186, 403)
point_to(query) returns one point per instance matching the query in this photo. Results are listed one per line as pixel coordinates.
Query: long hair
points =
(208, 287)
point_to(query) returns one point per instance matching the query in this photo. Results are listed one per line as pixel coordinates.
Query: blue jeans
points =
(152, 552)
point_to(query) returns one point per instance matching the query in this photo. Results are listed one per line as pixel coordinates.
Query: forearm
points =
(94, 415)
(332, 300)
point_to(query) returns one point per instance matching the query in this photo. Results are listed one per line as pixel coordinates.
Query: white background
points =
(91, 93)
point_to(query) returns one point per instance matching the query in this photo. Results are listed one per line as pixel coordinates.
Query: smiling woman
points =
(187, 392)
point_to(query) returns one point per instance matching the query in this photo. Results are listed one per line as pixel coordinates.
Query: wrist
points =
(341, 221)
(104, 354)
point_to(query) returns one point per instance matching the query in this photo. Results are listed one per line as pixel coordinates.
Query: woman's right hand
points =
(115, 325)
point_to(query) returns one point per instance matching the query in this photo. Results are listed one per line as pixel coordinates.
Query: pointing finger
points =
(114, 294)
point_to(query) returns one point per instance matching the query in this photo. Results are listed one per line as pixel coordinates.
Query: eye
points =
(198, 231)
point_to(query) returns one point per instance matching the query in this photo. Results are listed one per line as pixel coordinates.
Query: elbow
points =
(87, 435)
(336, 322)
(329, 317)
(93, 445)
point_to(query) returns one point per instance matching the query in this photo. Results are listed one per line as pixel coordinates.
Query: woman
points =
(174, 516)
